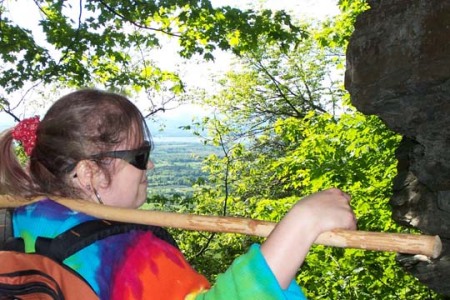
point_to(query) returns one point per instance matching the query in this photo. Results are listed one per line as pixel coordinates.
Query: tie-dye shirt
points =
(138, 265)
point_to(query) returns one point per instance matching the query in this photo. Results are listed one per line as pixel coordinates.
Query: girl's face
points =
(128, 185)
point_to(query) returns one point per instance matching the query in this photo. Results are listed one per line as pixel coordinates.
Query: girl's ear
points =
(89, 176)
(84, 175)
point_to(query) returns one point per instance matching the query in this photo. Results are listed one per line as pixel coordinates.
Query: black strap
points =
(84, 234)
(6, 227)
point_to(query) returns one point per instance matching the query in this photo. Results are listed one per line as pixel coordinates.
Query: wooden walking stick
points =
(427, 245)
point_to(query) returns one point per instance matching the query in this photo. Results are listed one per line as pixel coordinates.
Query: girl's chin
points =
(140, 202)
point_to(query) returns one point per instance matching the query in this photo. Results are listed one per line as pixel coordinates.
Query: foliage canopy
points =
(107, 42)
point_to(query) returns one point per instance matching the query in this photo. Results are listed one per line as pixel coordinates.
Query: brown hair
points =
(78, 125)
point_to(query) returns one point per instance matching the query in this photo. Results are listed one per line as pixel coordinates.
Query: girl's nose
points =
(150, 165)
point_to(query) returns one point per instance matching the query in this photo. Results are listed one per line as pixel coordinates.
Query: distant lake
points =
(176, 139)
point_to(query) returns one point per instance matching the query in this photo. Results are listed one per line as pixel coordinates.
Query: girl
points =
(95, 145)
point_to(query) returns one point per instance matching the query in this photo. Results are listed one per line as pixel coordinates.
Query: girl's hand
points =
(288, 244)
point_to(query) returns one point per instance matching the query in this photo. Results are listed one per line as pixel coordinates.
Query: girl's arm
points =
(288, 244)
(268, 272)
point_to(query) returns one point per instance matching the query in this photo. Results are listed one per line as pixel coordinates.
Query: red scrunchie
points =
(25, 133)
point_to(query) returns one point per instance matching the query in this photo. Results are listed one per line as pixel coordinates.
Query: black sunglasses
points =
(136, 157)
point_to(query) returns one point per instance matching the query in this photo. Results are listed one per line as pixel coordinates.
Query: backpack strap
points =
(84, 234)
(6, 227)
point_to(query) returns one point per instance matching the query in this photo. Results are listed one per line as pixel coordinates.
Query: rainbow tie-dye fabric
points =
(138, 265)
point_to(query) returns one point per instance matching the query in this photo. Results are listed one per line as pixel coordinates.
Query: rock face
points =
(398, 67)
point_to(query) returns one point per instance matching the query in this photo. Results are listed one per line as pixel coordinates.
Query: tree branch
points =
(109, 8)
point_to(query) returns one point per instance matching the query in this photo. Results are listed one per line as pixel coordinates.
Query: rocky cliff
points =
(398, 68)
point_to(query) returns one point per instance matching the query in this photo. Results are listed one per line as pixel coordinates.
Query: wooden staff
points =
(429, 246)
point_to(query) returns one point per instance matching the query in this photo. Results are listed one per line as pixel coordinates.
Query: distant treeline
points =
(177, 166)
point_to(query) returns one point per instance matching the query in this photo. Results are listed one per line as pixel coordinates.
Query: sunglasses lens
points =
(137, 158)
(140, 161)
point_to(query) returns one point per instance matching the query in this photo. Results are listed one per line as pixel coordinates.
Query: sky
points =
(195, 72)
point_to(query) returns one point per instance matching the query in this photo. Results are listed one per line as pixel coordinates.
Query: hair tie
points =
(25, 133)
